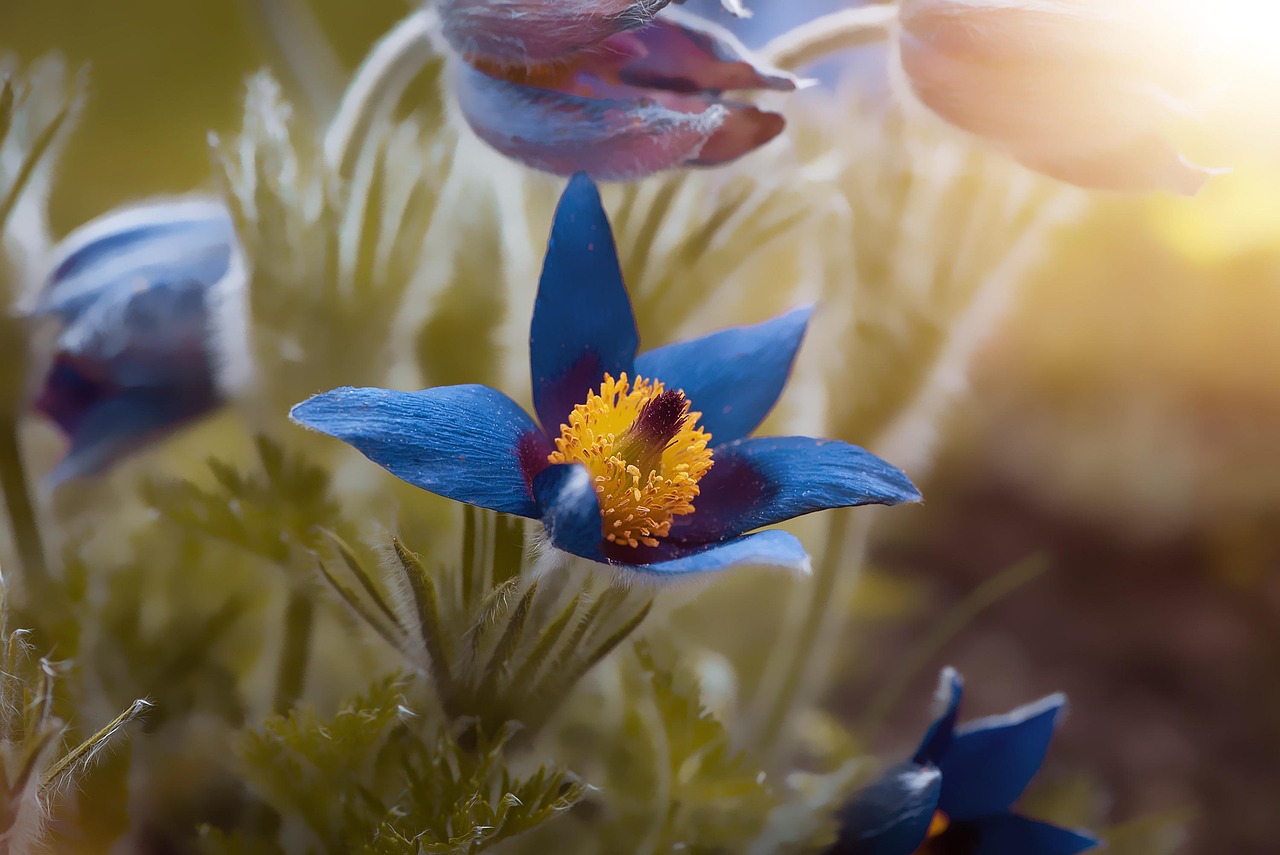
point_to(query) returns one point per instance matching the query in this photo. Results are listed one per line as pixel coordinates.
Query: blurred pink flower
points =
(1086, 91)
(616, 88)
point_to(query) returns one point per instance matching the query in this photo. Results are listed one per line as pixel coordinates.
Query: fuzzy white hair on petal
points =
(1056, 702)
(942, 694)
(545, 557)
(917, 779)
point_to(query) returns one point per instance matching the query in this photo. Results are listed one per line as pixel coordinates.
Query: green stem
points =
(956, 619)
(299, 617)
(84, 752)
(391, 65)
(802, 660)
(302, 52)
(830, 34)
(17, 501)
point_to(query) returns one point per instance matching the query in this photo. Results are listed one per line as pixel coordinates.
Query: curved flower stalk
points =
(332, 245)
(635, 478)
(955, 794)
(36, 111)
(148, 304)
(619, 89)
(39, 106)
(812, 35)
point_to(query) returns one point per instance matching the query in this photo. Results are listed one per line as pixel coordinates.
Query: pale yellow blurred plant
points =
(37, 109)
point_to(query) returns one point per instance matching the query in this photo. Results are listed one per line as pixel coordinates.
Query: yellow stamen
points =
(645, 454)
(939, 824)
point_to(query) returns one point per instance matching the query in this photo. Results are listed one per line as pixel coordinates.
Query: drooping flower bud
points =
(149, 330)
(1086, 91)
(610, 88)
(523, 33)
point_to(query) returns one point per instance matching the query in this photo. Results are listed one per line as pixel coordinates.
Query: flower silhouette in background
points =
(954, 796)
(1085, 91)
(623, 470)
(616, 88)
(144, 300)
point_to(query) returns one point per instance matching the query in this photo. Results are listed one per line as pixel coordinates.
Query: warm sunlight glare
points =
(1239, 34)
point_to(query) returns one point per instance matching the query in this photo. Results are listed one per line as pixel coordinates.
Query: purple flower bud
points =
(636, 103)
(523, 33)
(685, 53)
(146, 300)
(617, 139)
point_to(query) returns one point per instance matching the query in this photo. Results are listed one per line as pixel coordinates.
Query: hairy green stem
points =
(84, 753)
(391, 65)
(956, 619)
(804, 655)
(299, 617)
(23, 522)
(302, 52)
(848, 28)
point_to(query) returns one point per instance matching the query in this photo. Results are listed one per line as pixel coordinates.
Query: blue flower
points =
(137, 297)
(954, 796)
(622, 470)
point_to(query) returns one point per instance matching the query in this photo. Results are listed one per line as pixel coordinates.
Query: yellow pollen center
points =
(645, 454)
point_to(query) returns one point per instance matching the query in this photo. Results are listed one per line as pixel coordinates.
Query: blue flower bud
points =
(147, 303)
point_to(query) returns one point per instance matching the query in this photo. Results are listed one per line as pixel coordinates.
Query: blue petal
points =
(112, 428)
(570, 510)
(892, 816)
(761, 481)
(582, 326)
(1016, 835)
(469, 443)
(571, 516)
(990, 761)
(773, 548)
(733, 377)
(134, 248)
(938, 738)
(155, 335)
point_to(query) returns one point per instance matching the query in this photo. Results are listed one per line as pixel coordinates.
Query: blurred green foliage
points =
(164, 75)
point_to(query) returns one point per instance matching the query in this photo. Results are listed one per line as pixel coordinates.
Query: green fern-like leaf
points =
(379, 778)
(673, 775)
(496, 648)
(317, 769)
(268, 513)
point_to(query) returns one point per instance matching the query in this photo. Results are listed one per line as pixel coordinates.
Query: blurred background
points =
(1121, 436)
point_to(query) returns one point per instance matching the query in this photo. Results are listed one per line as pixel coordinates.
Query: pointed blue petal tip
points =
(992, 760)
(583, 326)
(734, 376)
(1011, 834)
